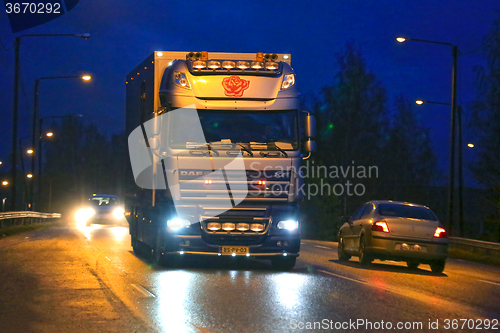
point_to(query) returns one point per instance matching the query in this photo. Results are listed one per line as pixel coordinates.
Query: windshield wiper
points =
(248, 150)
(278, 148)
(208, 145)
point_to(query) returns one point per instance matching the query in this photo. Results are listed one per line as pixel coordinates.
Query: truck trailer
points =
(216, 141)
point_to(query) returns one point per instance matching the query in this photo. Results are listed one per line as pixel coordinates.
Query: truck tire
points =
(283, 263)
(159, 256)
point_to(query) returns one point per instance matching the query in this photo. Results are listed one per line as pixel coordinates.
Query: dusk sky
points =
(125, 32)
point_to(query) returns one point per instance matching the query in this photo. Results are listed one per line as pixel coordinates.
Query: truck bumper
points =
(195, 245)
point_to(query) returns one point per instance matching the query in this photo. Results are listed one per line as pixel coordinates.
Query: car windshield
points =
(412, 212)
(103, 201)
(256, 129)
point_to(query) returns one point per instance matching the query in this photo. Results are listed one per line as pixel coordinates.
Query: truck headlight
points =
(288, 81)
(288, 224)
(181, 80)
(176, 224)
(118, 212)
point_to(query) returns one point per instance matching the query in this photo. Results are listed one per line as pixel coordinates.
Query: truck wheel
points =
(437, 266)
(160, 257)
(341, 252)
(364, 258)
(283, 263)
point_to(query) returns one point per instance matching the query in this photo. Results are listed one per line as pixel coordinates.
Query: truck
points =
(216, 141)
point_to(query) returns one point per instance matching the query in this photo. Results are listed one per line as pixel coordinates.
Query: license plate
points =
(238, 250)
(411, 247)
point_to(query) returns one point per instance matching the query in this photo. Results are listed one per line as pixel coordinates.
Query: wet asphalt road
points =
(66, 279)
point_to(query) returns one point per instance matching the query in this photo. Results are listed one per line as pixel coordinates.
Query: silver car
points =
(391, 230)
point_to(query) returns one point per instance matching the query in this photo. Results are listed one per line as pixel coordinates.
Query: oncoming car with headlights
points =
(390, 230)
(102, 209)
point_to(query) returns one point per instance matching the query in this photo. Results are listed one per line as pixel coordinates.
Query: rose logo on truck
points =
(234, 86)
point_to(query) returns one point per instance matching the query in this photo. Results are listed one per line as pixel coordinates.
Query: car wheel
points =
(437, 266)
(283, 263)
(364, 258)
(340, 251)
(159, 256)
(412, 264)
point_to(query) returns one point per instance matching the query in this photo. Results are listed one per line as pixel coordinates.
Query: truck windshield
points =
(252, 128)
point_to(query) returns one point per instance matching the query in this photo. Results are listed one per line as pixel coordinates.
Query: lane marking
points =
(323, 247)
(143, 290)
(490, 282)
(449, 305)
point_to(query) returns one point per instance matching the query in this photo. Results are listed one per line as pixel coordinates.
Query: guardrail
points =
(23, 218)
(475, 246)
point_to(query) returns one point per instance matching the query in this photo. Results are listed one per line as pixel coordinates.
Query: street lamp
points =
(454, 54)
(17, 46)
(5, 183)
(40, 149)
(85, 77)
(470, 145)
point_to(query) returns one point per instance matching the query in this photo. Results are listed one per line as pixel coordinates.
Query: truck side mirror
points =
(310, 126)
(310, 146)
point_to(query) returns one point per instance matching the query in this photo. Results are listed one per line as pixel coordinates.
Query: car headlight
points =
(118, 212)
(288, 225)
(176, 224)
(84, 214)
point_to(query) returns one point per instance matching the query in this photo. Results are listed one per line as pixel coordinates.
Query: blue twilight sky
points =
(124, 32)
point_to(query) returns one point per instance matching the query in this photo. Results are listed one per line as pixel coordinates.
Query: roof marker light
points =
(242, 64)
(159, 54)
(259, 56)
(257, 64)
(213, 64)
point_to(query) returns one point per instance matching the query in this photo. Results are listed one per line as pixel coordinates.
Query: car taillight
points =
(440, 233)
(380, 226)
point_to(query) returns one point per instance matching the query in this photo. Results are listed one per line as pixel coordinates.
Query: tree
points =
(352, 122)
(486, 115)
(411, 163)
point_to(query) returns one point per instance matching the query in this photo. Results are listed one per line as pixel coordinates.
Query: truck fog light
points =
(271, 65)
(257, 227)
(242, 64)
(213, 226)
(212, 64)
(199, 64)
(257, 64)
(228, 64)
(228, 226)
(278, 243)
(243, 227)
(285, 254)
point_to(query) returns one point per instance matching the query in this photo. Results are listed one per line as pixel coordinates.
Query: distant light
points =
(86, 77)
(401, 39)
(50, 134)
(29, 151)
(29, 175)
(0, 162)
(419, 102)
(159, 54)
(5, 183)
(470, 145)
